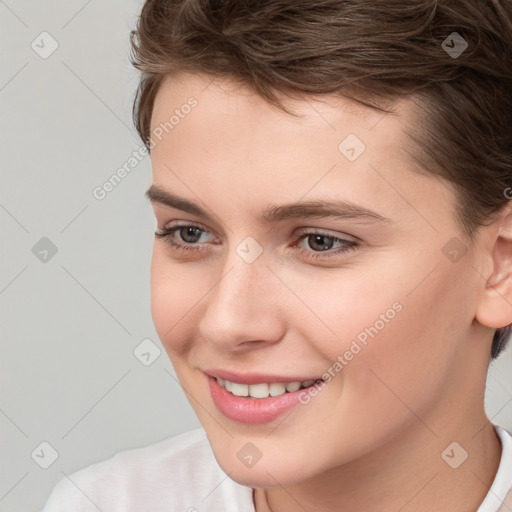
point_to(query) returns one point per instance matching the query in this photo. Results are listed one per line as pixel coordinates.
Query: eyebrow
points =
(339, 209)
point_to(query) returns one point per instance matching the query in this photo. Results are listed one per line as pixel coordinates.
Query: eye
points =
(320, 244)
(190, 234)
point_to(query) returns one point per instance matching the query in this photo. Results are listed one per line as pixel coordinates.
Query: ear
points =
(495, 304)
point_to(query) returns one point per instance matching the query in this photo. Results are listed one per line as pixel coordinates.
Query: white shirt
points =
(180, 474)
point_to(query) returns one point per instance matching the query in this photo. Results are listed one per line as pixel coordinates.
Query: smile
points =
(258, 402)
(263, 390)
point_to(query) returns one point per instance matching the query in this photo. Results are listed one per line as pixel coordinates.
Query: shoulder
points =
(178, 473)
(499, 497)
(504, 435)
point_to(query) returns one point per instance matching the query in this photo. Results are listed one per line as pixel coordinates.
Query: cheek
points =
(345, 307)
(402, 325)
(174, 293)
(410, 358)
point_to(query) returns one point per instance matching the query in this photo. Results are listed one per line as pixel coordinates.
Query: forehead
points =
(231, 121)
(234, 144)
(234, 98)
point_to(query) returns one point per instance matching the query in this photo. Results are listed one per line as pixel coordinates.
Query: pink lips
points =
(252, 410)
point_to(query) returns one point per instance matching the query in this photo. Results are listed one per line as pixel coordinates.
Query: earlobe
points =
(495, 305)
(495, 278)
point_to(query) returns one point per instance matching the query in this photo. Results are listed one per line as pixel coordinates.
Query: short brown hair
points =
(373, 51)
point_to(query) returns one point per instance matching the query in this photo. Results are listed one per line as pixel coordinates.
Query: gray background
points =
(70, 321)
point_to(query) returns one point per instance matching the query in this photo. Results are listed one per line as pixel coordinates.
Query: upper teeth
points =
(262, 390)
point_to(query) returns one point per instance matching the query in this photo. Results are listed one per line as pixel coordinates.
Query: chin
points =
(267, 472)
(265, 477)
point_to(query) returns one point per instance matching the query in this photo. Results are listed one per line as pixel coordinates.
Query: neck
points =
(411, 473)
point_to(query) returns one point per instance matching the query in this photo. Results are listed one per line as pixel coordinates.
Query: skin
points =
(372, 439)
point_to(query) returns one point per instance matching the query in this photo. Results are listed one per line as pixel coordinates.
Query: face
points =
(314, 252)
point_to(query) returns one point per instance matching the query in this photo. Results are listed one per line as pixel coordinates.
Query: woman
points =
(331, 270)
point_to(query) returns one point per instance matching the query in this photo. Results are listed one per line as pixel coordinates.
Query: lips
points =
(252, 410)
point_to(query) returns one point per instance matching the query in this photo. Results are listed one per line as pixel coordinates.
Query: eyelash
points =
(349, 245)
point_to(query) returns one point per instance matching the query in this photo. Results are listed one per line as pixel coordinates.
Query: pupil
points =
(318, 239)
(189, 231)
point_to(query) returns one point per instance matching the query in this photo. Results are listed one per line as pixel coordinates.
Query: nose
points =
(244, 309)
